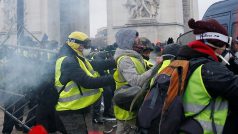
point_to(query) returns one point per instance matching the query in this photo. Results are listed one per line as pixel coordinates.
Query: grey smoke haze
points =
(21, 75)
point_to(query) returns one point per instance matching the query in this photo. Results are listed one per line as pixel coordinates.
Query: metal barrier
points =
(14, 107)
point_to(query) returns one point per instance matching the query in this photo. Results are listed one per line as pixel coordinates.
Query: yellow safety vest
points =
(196, 98)
(148, 64)
(120, 113)
(164, 64)
(70, 98)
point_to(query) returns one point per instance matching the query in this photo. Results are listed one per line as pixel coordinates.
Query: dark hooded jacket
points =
(217, 78)
(70, 70)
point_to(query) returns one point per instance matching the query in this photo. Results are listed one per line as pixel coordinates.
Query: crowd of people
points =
(84, 81)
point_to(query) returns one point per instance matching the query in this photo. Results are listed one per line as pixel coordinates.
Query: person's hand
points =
(159, 59)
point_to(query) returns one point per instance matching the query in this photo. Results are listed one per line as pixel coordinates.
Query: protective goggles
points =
(86, 43)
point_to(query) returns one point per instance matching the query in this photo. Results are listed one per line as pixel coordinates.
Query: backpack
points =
(162, 109)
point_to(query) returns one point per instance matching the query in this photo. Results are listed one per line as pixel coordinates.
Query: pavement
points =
(109, 126)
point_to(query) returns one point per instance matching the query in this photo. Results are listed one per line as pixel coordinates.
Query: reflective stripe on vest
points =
(122, 114)
(78, 96)
(195, 108)
(67, 88)
(70, 98)
(196, 98)
(207, 127)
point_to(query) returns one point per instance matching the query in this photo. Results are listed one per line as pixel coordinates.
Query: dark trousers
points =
(74, 122)
(48, 117)
(96, 108)
(107, 98)
(108, 93)
(16, 110)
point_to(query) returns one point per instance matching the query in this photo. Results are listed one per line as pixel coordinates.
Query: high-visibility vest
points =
(164, 64)
(70, 98)
(120, 113)
(148, 64)
(196, 98)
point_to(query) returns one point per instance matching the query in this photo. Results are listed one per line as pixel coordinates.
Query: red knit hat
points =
(210, 31)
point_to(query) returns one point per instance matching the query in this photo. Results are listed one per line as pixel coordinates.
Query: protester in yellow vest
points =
(211, 86)
(77, 82)
(131, 71)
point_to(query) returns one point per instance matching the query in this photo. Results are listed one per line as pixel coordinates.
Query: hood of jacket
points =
(125, 38)
(66, 50)
(121, 52)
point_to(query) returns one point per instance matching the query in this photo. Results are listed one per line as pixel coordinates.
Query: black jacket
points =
(219, 81)
(70, 70)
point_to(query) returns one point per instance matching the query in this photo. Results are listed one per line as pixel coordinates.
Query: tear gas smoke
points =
(19, 74)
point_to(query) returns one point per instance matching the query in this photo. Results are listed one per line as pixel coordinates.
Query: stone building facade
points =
(155, 19)
(54, 18)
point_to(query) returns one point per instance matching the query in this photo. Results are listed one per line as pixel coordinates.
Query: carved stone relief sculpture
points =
(142, 8)
(8, 9)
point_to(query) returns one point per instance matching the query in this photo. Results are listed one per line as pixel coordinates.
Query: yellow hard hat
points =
(78, 35)
(79, 38)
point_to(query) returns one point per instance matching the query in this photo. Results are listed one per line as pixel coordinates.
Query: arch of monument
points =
(155, 19)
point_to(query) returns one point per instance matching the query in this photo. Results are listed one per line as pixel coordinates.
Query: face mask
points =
(86, 52)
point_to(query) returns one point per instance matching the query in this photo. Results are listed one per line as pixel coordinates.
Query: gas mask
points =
(86, 52)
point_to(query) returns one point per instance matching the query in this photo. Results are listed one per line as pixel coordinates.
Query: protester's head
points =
(211, 33)
(148, 47)
(170, 51)
(170, 40)
(157, 43)
(127, 39)
(79, 42)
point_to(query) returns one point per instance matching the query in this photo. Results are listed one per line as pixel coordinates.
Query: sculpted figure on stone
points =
(142, 8)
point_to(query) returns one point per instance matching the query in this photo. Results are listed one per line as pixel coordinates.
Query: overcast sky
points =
(98, 15)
